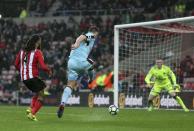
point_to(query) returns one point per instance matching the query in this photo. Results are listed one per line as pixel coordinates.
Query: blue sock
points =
(66, 94)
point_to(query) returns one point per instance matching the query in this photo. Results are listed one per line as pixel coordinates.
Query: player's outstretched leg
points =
(35, 109)
(181, 103)
(150, 102)
(32, 104)
(36, 106)
(66, 94)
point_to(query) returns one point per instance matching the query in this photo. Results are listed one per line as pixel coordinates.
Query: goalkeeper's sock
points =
(150, 105)
(66, 94)
(179, 100)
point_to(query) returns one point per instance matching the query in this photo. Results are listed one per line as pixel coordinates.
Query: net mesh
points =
(138, 49)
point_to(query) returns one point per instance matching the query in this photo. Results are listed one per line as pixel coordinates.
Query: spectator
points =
(180, 8)
(179, 75)
(23, 13)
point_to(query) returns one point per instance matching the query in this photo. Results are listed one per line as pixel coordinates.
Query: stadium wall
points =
(104, 99)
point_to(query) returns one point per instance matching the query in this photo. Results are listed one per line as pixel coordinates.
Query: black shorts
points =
(35, 84)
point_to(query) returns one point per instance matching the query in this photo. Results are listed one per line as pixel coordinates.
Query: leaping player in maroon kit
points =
(27, 62)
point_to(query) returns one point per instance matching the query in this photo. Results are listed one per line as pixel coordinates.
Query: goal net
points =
(136, 48)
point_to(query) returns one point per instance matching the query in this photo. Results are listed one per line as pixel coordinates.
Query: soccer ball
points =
(113, 110)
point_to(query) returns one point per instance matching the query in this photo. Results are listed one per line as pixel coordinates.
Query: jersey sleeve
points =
(149, 76)
(17, 61)
(172, 75)
(40, 58)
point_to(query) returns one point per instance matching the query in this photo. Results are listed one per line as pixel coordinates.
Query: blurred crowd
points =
(135, 9)
(40, 6)
(160, 8)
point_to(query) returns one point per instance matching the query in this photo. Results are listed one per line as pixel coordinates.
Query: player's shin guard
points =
(181, 103)
(34, 98)
(66, 94)
(37, 106)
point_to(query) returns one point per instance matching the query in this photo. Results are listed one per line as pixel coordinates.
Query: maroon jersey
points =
(27, 65)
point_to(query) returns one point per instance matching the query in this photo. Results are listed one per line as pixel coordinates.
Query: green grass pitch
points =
(13, 118)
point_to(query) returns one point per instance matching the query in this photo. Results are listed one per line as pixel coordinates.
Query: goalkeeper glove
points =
(150, 85)
(177, 87)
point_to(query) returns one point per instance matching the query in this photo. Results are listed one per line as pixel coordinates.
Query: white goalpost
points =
(136, 46)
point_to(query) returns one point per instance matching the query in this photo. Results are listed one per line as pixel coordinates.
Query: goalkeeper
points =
(161, 77)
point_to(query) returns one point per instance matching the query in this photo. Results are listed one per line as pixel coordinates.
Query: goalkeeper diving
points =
(161, 77)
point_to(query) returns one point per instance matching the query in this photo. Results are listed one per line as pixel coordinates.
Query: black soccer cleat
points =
(60, 111)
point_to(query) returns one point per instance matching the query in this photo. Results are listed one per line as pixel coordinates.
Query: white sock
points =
(66, 94)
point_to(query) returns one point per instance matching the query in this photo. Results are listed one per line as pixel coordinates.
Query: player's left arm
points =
(17, 61)
(78, 41)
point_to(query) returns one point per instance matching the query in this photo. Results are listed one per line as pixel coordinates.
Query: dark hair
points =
(93, 28)
(31, 43)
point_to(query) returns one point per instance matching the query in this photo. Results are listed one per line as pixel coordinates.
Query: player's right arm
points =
(78, 41)
(148, 78)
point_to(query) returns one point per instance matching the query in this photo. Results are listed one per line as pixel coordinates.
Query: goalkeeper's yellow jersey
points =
(160, 77)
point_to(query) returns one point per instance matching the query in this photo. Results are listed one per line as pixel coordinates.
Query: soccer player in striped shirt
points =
(27, 63)
(161, 77)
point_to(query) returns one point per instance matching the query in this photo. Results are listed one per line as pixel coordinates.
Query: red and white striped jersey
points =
(27, 64)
